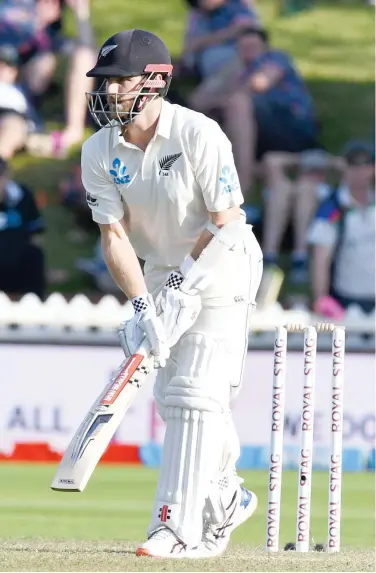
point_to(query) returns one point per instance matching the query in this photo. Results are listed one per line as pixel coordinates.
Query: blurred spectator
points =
(39, 62)
(295, 184)
(269, 109)
(33, 28)
(73, 196)
(210, 45)
(97, 269)
(343, 239)
(83, 57)
(21, 258)
(14, 108)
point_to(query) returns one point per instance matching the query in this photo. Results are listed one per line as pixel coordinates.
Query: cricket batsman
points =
(161, 183)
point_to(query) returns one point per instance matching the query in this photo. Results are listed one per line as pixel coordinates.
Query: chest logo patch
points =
(167, 162)
(229, 179)
(119, 172)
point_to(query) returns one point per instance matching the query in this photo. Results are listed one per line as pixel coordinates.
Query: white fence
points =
(80, 320)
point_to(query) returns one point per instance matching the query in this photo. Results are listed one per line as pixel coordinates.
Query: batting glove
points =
(178, 310)
(145, 326)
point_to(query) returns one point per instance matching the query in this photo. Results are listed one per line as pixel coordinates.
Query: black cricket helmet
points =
(128, 54)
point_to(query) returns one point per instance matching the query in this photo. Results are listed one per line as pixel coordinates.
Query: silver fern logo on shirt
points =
(167, 162)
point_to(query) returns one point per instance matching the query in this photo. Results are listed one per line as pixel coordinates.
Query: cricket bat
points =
(95, 432)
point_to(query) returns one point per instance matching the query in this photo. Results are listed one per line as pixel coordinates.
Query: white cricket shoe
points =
(216, 537)
(163, 543)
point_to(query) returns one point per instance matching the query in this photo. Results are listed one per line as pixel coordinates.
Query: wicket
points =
(306, 426)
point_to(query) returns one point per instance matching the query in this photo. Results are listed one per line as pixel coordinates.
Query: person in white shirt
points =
(13, 105)
(162, 185)
(342, 238)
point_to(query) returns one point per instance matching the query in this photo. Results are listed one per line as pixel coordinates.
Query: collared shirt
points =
(167, 191)
(354, 270)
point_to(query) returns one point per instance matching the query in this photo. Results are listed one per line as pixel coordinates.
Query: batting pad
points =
(191, 459)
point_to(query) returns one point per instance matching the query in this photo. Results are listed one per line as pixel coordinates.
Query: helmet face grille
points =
(104, 116)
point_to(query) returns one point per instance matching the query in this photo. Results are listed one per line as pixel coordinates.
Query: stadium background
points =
(51, 373)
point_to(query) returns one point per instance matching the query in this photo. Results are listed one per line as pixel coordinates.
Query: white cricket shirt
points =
(12, 98)
(187, 170)
(354, 272)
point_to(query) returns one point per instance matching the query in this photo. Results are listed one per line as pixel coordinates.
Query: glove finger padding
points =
(131, 337)
(156, 336)
(124, 342)
(145, 327)
(179, 313)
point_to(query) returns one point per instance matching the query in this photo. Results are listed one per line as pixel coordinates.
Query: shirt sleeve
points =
(102, 195)
(324, 229)
(195, 26)
(277, 59)
(215, 170)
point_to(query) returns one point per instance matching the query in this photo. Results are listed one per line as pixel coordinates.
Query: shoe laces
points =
(213, 532)
(161, 533)
(207, 528)
(208, 533)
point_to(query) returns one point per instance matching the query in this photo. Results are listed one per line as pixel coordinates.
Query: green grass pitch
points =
(98, 530)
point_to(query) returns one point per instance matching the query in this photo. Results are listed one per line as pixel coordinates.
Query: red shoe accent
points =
(143, 552)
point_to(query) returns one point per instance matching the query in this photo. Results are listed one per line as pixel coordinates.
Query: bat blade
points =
(270, 287)
(99, 425)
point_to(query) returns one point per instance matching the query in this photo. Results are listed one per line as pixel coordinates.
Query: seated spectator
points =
(83, 57)
(269, 109)
(73, 196)
(295, 184)
(97, 269)
(343, 239)
(14, 107)
(33, 28)
(21, 258)
(210, 44)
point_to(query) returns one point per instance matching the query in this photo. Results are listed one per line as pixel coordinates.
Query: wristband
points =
(140, 303)
(174, 280)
